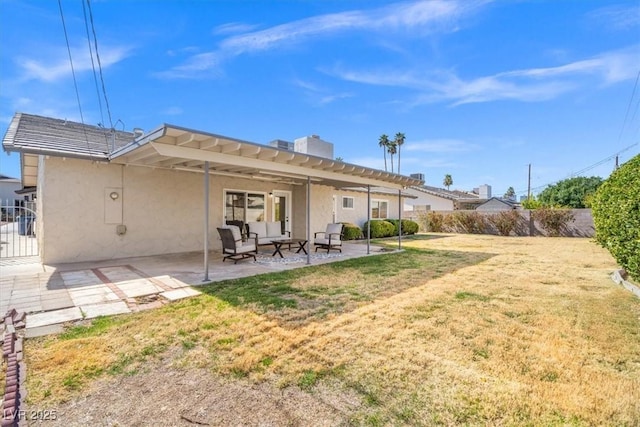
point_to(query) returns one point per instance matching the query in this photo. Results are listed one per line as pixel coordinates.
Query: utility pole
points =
(529, 184)
(616, 162)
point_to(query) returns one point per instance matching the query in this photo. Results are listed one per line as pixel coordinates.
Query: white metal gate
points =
(18, 231)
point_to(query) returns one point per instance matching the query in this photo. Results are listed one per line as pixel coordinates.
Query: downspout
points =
(308, 220)
(206, 222)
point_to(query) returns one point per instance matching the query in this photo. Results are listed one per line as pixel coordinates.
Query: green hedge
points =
(389, 227)
(379, 228)
(351, 231)
(616, 214)
(408, 226)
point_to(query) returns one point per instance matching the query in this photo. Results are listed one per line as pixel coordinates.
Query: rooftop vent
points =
(138, 132)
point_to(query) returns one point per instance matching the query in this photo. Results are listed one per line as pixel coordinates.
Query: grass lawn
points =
(461, 329)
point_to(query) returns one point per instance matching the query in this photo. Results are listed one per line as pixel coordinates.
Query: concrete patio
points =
(53, 295)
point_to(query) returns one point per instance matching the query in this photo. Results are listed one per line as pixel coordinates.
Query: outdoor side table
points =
(279, 243)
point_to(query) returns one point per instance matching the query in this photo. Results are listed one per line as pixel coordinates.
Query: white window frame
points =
(352, 202)
(378, 202)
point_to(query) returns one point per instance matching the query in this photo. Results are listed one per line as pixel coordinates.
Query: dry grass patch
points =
(456, 330)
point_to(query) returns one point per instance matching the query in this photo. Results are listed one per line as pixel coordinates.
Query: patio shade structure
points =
(174, 147)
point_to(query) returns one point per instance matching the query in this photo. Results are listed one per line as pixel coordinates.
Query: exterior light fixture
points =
(114, 195)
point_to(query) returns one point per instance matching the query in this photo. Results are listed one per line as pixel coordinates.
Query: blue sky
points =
(480, 88)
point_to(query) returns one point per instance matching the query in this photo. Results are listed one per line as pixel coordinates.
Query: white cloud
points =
(617, 17)
(415, 17)
(59, 67)
(535, 84)
(233, 28)
(319, 95)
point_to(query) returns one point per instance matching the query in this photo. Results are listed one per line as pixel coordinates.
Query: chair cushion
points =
(235, 231)
(333, 228)
(260, 228)
(322, 241)
(246, 247)
(273, 229)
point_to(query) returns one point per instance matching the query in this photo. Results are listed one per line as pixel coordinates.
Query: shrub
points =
(433, 221)
(351, 231)
(616, 214)
(505, 221)
(552, 220)
(408, 226)
(468, 222)
(379, 228)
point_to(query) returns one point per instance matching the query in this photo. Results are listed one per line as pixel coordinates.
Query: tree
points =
(448, 181)
(339, 159)
(510, 194)
(570, 193)
(384, 143)
(616, 215)
(399, 140)
(392, 149)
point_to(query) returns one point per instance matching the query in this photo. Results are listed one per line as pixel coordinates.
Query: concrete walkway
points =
(54, 295)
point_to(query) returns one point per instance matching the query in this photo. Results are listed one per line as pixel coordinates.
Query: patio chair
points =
(233, 247)
(331, 238)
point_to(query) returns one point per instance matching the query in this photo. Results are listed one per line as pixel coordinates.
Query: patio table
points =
(279, 243)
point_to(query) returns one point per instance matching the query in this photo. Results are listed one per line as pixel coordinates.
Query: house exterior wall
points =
(494, 205)
(423, 199)
(162, 210)
(8, 189)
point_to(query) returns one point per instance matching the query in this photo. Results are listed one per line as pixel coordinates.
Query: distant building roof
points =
(441, 192)
(33, 134)
(508, 203)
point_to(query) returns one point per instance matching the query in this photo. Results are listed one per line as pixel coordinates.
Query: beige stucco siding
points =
(163, 210)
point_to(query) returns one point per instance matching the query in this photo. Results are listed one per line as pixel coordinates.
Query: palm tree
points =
(448, 181)
(384, 143)
(393, 149)
(399, 140)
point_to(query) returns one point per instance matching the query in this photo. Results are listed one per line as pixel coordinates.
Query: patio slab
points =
(177, 294)
(35, 320)
(105, 309)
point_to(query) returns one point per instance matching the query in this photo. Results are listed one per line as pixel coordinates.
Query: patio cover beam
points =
(235, 160)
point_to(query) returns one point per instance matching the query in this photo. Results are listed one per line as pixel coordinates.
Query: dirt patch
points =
(192, 397)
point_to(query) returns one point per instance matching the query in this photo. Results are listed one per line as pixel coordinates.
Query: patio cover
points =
(174, 147)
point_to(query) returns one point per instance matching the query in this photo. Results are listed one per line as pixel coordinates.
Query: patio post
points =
(368, 219)
(206, 221)
(308, 220)
(399, 219)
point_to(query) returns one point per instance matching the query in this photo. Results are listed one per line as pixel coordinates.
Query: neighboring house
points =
(8, 188)
(105, 194)
(495, 204)
(438, 199)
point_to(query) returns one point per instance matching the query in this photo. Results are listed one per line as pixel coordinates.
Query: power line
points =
(581, 171)
(626, 115)
(93, 67)
(95, 41)
(73, 73)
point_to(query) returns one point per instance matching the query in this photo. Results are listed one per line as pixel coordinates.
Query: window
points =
(379, 209)
(347, 202)
(245, 207)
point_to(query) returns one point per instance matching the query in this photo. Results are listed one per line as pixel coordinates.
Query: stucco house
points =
(429, 198)
(8, 188)
(496, 204)
(104, 193)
